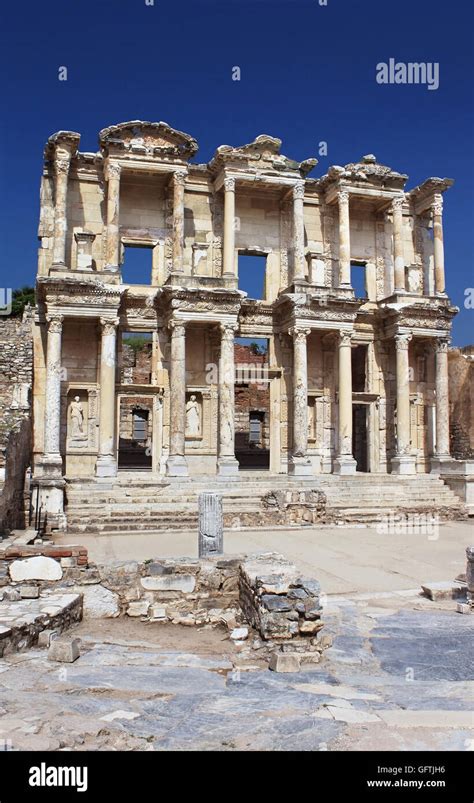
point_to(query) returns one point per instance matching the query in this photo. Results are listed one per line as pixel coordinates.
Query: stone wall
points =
(461, 390)
(14, 495)
(16, 375)
(41, 564)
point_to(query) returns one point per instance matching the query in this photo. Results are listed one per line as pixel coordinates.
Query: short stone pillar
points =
(211, 525)
(470, 574)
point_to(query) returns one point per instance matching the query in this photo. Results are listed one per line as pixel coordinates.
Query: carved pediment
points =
(262, 155)
(147, 139)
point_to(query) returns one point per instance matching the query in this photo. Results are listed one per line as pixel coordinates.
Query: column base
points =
(438, 461)
(106, 466)
(227, 466)
(404, 464)
(49, 466)
(344, 464)
(300, 467)
(51, 501)
(176, 466)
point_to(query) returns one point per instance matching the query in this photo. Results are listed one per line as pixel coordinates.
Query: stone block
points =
(443, 590)
(309, 628)
(464, 607)
(284, 662)
(29, 592)
(64, 651)
(240, 634)
(46, 637)
(37, 568)
(98, 602)
(157, 612)
(276, 603)
(139, 608)
(186, 583)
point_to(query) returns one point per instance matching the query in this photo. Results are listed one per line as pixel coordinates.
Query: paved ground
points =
(397, 677)
(344, 559)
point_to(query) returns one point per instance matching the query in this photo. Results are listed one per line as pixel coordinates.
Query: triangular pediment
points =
(145, 138)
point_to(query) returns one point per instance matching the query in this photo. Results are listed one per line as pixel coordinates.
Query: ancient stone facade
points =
(461, 387)
(355, 379)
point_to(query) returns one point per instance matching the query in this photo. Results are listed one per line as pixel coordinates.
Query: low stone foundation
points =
(21, 621)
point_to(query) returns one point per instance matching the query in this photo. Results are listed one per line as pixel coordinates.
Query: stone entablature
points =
(349, 373)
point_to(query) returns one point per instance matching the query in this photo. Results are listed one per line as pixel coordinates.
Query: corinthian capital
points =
(343, 196)
(397, 204)
(55, 323)
(345, 337)
(402, 342)
(61, 165)
(437, 204)
(298, 190)
(112, 170)
(178, 328)
(228, 331)
(109, 325)
(442, 344)
(298, 334)
(179, 177)
(229, 184)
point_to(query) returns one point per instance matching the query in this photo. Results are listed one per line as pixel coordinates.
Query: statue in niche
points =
(193, 418)
(76, 415)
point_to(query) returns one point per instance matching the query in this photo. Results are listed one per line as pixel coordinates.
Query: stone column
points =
(211, 524)
(440, 288)
(344, 240)
(398, 257)
(404, 461)
(229, 227)
(442, 404)
(344, 462)
(179, 179)
(113, 171)
(61, 168)
(226, 461)
(53, 390)
(299, 264)
(299, 463)
(106, 465)
(176, 465)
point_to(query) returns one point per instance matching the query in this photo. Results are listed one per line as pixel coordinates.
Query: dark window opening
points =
(359, 279)
(359, 369)
(255, 427)
(137, 264)
(252, 275)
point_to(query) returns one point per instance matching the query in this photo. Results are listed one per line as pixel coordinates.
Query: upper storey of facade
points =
(142, 189)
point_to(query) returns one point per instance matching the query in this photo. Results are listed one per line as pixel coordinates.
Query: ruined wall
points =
(461, 390)
(13, 498)
(16, 375)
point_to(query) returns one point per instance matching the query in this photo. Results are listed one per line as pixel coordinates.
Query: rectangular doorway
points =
(360, 441)
(252, 404)
(135, 434)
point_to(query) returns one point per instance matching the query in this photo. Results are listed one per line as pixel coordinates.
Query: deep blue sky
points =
(307, 75)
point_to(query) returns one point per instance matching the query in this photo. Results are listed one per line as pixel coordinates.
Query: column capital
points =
(109, 325)
(343, 196)
(61, 165)
(228, 330)
(55, 323)
(298, 190)
(397, 203)
(112, 170)
(437, 205)
(402, 341)
(345, 337)
(441, 344)
(229, 184)
(298, 334)
(179, 177)
(177, 327)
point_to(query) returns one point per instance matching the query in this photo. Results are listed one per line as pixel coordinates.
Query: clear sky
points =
(307, 76)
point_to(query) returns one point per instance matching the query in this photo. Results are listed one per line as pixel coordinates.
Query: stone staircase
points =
(137, 503)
